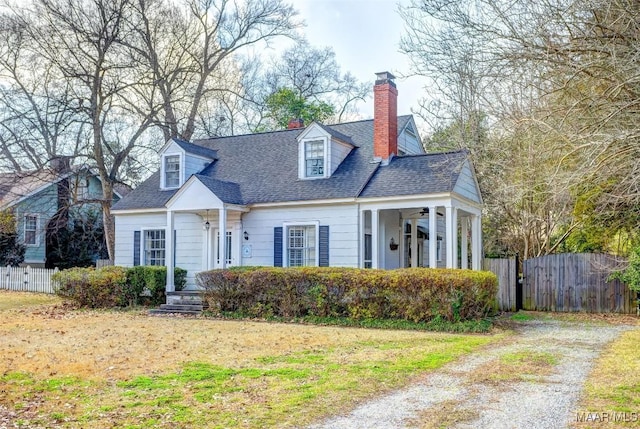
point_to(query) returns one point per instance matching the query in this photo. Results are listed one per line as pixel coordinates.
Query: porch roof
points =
(417, 174)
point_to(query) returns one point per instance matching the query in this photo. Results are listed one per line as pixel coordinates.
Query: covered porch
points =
(210, 229)
(444, 233)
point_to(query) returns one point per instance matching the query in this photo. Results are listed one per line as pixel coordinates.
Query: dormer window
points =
(172, 171)
(321, 150)
(314, 158)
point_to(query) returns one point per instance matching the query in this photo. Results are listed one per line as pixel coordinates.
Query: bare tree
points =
(314, 74)
(122, 66)
(558, 75)
(188, 49)
(38, 113)
(81, 42)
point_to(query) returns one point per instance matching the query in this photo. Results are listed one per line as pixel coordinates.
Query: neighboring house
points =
(359, 194)
(36, 197)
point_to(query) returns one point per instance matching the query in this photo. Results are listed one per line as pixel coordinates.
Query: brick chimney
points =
(385, 117)
(295, 123)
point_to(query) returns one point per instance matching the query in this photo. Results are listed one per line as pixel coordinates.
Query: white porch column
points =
(452, 236)
(222, 238)
(414, 243)
(375, 235)
(168, 251)
(237, 237)
(464, 243)
(476, 242)
(361, 231)
(433, 237)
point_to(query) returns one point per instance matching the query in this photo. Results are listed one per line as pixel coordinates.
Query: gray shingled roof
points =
(228, 192)
(417, 174)
(337, 135)
(196, 149)
(263, 168)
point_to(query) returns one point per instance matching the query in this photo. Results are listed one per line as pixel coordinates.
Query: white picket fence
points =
(27, 279)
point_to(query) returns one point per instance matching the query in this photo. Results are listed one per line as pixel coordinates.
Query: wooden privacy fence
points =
(507, 272)
(27, 279)
(575, 282)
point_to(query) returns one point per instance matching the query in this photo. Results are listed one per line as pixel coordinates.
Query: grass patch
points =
(614, 383)
(523, 365)
(10, 300)
(445, 415)
(521, 317)
(436, 325)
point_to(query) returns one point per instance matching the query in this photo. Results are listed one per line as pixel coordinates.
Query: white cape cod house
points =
(359, 194)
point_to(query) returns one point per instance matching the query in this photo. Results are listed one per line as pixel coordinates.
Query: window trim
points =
(438, 248)
(302, 155)
(143, 241)
(285, 240)
(163, 178)
(307, 158)
(36, 235)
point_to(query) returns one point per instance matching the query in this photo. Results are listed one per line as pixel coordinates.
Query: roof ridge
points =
(287, 130)
(448, 152)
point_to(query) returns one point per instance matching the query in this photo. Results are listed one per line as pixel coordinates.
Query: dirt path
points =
(532, 380)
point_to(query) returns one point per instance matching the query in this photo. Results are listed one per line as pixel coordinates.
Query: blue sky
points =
(365, 35)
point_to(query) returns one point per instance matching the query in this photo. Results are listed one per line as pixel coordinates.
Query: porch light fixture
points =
(393, 245)
(206, 224)
(246, 235)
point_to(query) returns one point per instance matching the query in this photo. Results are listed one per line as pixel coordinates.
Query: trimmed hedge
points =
(88, 287)
(115, 286)
(414, 294)
(152, 281)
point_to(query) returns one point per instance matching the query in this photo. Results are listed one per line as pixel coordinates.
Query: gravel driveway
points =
(549, 401)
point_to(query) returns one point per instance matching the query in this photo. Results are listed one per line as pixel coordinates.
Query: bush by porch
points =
(115, 286)
(414, 294)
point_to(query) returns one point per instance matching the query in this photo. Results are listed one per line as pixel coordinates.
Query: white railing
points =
(27, 279)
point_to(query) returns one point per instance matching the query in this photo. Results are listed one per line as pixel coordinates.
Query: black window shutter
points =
(323, 259)
(136, 248)
(277, 246)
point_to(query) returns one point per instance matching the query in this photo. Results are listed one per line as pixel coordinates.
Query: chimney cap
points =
(384, 77)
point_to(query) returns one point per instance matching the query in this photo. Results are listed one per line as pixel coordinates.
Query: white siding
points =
(341, 219)
(466, 184)
(190, 238)
(339, 152)
(125, 226)
(194, 165)
(389, 227)
(409, 142)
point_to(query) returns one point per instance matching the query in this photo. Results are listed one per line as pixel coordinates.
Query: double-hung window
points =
(154, 247)
(314, 158)
(31, 230)
(172, 171)
(301, 246)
